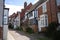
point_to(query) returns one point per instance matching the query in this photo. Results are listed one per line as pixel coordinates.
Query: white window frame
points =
(42, 17)
(58, 15)
(36, 13)
(44, 8)
(32, 15)
(5, 21)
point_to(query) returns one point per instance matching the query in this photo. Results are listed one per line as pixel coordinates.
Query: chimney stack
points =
(25, 4)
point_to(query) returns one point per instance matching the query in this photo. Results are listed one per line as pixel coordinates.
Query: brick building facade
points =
(51, 10)
(47, 13)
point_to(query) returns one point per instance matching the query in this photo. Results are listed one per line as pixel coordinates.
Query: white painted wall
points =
(17, 21)
(5, 31)
(1, 12)
(5, 24)
(6, 12)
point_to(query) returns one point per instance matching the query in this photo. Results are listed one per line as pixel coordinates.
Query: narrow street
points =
(14, 35)
(18, 35)
(10, 37)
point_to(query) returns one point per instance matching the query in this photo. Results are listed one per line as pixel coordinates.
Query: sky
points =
(17, 5)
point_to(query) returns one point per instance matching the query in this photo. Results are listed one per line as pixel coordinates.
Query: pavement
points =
(10, 37)
(19, 35)
(13, 35)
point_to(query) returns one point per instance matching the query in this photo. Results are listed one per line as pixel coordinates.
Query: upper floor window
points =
(36, 13)
(58, 2)
(44, 9)
(30, 14)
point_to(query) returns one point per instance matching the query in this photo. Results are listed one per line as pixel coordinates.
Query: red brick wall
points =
(51, 11)
(39, 11)
(1, 33)
(35, 28)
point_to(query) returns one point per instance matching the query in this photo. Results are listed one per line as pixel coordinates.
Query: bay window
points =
(43, 20)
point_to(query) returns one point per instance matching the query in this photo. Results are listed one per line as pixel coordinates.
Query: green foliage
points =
(44, 39)
(29, 30)
(19, 28)
(51, 29)
(10, 26)
(56, 35)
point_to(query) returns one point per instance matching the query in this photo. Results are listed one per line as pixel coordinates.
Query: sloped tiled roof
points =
(24, 10)
(36, 5)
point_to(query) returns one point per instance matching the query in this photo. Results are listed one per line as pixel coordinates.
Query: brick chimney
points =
(25, 4)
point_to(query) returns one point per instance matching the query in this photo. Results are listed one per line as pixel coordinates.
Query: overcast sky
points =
(17, 5)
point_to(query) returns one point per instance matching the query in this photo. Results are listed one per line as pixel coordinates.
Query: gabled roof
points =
(14, 15)
(36, 5)
(24, 10)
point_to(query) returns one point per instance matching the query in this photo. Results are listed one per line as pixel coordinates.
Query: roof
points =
(24, 10)
(36, 5)
(14, 15)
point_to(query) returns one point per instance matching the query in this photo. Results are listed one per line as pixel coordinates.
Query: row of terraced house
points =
(37, 16)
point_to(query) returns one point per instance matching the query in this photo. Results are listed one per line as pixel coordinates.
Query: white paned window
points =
(36, 13)
(58, 14)
(5, 21)
(44, 8)
(43, 20)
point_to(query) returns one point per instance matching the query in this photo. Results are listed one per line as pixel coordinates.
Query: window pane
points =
(58, 17)
(46, 22)
(30, 14)
(5, 20)
(44, 8)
